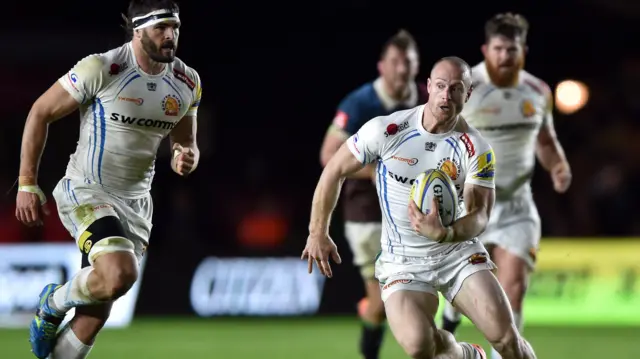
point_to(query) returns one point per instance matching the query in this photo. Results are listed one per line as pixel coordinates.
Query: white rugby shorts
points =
(80, 204)
(443, 273)
(515, 227)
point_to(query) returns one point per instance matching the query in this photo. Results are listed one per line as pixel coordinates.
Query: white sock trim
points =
(518, 319)
(74, 341)
(83, 278)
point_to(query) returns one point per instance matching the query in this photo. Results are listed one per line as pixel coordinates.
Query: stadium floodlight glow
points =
(571, 96)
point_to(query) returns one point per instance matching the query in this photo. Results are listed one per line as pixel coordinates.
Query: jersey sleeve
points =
(85, 79)
(349, 114)
(481, 164)
(197, 96)
(367, 144)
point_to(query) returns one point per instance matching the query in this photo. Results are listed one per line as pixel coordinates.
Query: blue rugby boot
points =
(42, 332)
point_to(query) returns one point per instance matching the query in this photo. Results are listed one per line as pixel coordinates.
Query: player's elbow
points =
(39, 114)
(333, 171)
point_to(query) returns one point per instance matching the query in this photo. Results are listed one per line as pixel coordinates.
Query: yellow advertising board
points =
(585, 282)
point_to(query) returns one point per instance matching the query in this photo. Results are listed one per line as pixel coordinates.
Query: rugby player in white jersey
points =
(129, 99)
(420, 257)
(512, 109)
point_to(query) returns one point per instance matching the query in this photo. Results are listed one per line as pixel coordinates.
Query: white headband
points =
(153, 18)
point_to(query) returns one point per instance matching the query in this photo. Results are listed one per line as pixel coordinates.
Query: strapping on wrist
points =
(27, 181)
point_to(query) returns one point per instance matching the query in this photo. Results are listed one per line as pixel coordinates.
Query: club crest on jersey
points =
(528, 109)
(171, 105)
(450, 167)
(430, 146)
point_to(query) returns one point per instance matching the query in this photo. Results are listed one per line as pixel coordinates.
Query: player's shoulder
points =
(362, 95)
(473, 140)
(185, 74)
(534, 84)
(394, 123)
(479, 75)
(103, 67)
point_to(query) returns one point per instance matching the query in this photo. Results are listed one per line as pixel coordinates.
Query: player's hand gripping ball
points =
(434, 204)
(183, 159)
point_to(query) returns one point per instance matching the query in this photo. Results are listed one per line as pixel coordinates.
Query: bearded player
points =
(420, 257)
(513, 111)
(395, 89)
(129, 99)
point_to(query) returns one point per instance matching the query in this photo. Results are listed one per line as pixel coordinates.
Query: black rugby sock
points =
(371, 340)
(450, 325)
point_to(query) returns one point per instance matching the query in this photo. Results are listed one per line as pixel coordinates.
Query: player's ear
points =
(469, 93)
(429, 85)
(483, 48)
(380, 67)
(526, 49)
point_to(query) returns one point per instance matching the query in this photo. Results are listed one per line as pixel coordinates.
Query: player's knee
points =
(506, 340)
(419, 345)
(515, 290)
(118, 280)
(419, 349)
(105, 246)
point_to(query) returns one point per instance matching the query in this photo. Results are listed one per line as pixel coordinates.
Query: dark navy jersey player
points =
(395, 89)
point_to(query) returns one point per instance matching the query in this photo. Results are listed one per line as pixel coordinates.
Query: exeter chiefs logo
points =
(450, 167)
(528, 109)
(171, 105)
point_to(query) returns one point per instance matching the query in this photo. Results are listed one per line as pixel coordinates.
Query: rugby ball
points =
(436, 183)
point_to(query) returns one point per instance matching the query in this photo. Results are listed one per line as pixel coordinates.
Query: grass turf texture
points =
(308, 338)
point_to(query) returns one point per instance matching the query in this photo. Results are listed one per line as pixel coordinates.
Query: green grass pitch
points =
(307, 338)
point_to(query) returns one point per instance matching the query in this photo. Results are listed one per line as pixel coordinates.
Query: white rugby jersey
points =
(510, 119)
(403, 149)
(124, 115)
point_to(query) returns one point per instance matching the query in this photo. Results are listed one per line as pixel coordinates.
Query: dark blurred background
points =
(273, 74)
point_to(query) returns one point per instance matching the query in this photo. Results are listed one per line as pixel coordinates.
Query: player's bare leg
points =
(114, 271)
(483, 301)
(110, 277)
(451, 316)
(373, 318)
(411, 317)
(75, 340)
(513, 275)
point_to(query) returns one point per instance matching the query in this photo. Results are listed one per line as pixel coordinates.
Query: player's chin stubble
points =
(154, 52)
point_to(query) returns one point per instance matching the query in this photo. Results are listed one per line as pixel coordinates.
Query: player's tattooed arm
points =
(186, 154)
(54, 104)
